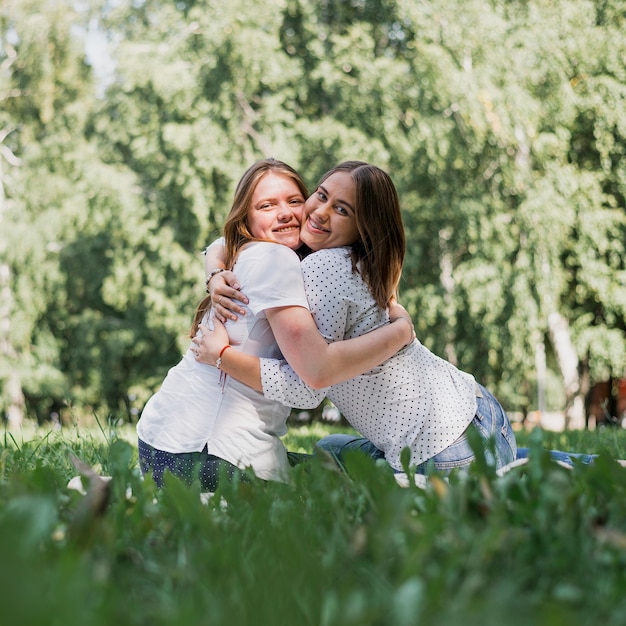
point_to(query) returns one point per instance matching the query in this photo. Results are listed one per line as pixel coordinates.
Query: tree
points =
(502, 125)
(42, 80)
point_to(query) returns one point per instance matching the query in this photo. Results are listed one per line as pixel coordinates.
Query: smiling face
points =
(329, 214)
(276, 210)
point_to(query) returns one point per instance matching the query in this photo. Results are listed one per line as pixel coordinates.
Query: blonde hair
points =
(237, 228)
(380, 249)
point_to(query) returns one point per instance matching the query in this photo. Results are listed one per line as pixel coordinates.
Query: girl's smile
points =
(329, 214)
(276, 210)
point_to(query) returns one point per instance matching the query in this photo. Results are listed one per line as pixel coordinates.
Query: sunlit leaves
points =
(502, 125)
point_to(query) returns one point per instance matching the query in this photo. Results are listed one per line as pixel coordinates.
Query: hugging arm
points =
(321, 364)
(316, 362)
(222, 285)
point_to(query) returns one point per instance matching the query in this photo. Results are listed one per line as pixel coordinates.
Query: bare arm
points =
(223, 286)
(322, 364)
(318, 363)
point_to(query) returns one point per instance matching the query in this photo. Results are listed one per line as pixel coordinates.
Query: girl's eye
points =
(341, 210)
(321, 195)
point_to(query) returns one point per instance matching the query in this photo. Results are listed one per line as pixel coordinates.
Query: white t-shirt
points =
(415, 399)
(192, 408)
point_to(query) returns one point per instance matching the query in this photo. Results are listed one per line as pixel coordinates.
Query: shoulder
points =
(328, 257)
(261, 262)
(329, 273)
(270, 276)
(266, 253)
(267, 248)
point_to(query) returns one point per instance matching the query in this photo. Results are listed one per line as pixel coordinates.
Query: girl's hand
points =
(208, 344)
(397, 311)
(225, 296)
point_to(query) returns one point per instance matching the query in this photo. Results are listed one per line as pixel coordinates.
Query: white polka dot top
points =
(415, 399)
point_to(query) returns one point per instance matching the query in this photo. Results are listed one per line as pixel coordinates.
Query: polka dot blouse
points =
(415, 399)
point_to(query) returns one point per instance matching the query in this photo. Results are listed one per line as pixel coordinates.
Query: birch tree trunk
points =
(447, 281)
(568, 364)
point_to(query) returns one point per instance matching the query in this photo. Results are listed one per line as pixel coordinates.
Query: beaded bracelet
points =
(218, 363)
(211, 274)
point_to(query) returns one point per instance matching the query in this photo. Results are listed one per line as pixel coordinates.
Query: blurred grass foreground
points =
(542, 545)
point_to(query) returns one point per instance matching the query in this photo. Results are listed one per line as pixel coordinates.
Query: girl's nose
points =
(321, 213)
(285, 212)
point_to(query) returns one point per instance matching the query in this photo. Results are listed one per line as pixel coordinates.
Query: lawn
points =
(542, 545)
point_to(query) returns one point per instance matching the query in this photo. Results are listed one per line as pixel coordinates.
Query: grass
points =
(541, 545)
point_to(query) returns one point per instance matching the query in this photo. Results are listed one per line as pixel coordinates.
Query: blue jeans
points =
(564, 457)
(490, 421)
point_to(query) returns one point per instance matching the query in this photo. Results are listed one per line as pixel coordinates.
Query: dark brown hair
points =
(381, 246)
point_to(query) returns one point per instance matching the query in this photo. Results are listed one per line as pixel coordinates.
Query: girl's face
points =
(329, 217)
(276, 210)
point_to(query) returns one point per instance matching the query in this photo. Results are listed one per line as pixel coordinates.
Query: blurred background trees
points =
(502, 124)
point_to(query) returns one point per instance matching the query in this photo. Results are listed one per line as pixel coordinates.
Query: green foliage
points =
(502, 124)
(541, 545)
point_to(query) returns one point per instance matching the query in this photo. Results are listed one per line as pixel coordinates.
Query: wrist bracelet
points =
(218, 363)
(211, 274)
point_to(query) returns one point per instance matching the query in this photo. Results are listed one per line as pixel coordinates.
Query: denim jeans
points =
(490, 421)
(564, 457)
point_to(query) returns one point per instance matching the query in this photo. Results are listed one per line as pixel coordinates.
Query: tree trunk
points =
(447, 281)
(568, 363)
